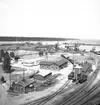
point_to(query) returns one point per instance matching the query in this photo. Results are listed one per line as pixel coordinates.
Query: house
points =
(23, 86)
(54, 65)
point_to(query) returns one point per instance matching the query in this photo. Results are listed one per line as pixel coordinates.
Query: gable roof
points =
(46, 63)
(39, 77)
(86, 66)
(59, 62)
(25, 82)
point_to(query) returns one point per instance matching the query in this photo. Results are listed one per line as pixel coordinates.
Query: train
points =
(79, 78)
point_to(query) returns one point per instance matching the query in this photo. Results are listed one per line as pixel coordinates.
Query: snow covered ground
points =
(29, 70)
(2, 95)
(35, 95)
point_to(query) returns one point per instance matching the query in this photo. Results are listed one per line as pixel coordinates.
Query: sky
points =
(50, 18)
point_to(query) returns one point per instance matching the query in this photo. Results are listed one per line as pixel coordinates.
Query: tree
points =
(12, 54)
(3, 79)
(16, 58)
(76, 47)
(7, 66)
(6, 62)
(57, 46)
(41, 53)
(39, 43)
(2, 53)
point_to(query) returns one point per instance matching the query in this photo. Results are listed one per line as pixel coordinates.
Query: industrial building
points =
(54, 65)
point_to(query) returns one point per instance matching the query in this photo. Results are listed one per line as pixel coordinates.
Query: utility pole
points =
(75, 76)
(23, 74)
(10, 79)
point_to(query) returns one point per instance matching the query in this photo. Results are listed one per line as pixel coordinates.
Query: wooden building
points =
(23, 86)
(54, 65)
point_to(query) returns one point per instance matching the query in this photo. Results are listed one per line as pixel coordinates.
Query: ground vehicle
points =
(71, 76)
(81, 78)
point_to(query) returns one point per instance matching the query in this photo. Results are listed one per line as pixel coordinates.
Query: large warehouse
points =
(54, 65)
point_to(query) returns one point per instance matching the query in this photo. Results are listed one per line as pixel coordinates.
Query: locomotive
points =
(79, 78)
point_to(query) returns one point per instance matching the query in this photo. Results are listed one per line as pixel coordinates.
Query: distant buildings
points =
(54, 65)
(49, 48)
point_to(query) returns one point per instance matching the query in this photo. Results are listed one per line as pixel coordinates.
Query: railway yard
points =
(60, 78)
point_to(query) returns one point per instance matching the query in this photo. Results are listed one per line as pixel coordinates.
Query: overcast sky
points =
(50, 18)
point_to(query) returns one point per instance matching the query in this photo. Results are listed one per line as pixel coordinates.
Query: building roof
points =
(46, 63)
(44, 73)
(77, 67)
(25, 82)
(59, 62)
(39, 77)
(86, 66)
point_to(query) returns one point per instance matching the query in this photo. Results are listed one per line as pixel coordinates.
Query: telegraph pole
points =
(23, 74)
(10, 79)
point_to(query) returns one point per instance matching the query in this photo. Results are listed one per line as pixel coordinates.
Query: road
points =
(3, 95)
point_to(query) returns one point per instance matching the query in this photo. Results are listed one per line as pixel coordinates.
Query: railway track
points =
(80, 93)
(44, 100)
(71, 98)
(93, 99)
(80, 99)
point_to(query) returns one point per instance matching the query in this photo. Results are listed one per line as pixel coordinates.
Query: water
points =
(88, 48)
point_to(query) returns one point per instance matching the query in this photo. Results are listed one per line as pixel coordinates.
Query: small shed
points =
(41, 76)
